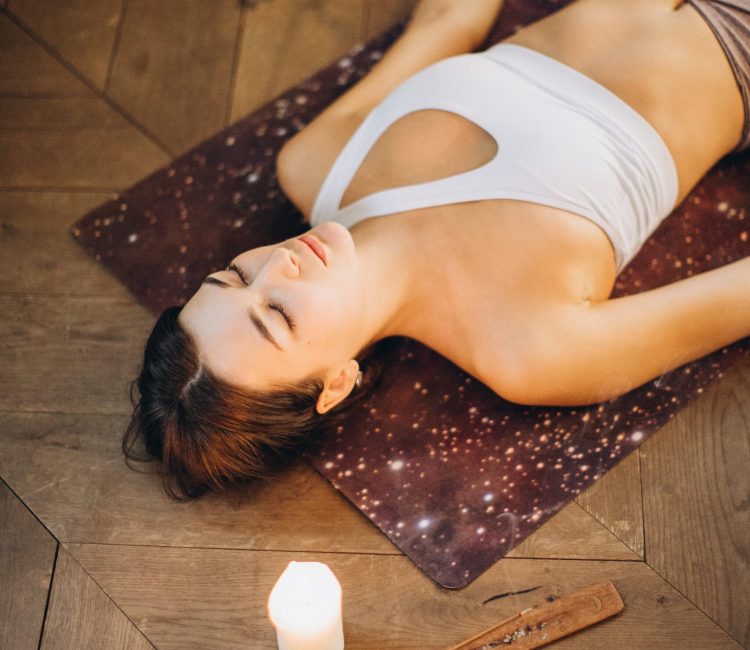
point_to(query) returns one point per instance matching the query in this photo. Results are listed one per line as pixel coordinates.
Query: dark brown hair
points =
(209, 435)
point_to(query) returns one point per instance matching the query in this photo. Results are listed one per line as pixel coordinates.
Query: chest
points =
(497, 269)
(665, 64)
(420, 147)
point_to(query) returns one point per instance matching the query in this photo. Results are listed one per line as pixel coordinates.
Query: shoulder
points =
(305, 160)
(438, 29)
(540, 361)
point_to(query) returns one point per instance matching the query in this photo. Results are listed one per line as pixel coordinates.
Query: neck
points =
(399, 278)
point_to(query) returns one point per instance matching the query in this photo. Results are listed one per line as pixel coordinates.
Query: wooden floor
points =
(96, 94)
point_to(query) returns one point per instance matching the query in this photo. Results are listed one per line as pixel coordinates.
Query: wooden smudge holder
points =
(542, 624)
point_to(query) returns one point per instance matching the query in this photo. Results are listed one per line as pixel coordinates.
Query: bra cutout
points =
(456, 130)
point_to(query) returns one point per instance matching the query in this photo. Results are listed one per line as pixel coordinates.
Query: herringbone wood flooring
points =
(95, 96)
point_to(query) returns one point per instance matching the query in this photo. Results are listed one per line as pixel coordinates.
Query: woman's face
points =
(280, 313)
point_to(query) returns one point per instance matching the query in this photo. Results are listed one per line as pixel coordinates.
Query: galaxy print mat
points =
(452, 474)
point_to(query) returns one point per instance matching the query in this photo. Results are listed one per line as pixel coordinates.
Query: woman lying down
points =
(481, 203)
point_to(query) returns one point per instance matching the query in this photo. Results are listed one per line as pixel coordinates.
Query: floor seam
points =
(111, 600)
(323, 552)
(49, 594)
(235, 65)
(62, 189)
(643, 503)
(115, 45)
(31, 94)
(16, 411)
(85, 80)
(611, 532)
(690, 600)
(25, 505)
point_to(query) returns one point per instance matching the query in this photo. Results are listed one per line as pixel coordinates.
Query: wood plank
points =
(27, 557)
(615, 500)
(76, 142)
(26, 68)
(172, 69)
(285, 41)
(92, 345)
(198, 598)
(89, 31)
(574, 534)
(37, 253)
(56, 113)
(70, 471)
(696, 485)
(82, 616)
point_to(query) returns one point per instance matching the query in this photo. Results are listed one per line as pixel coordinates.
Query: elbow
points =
(521, 380)
(535, 380)
(549, 391)
(529, 391)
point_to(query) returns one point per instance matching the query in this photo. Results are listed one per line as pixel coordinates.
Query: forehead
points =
(228, 343)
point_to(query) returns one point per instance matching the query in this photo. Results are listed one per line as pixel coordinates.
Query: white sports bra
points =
(563, 141)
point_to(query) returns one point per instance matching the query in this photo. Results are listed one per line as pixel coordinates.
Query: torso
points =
(664, 63)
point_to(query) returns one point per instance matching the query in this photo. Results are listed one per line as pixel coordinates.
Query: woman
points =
(490, 199)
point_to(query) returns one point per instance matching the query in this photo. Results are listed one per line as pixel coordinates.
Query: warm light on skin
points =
(338, 306)
(244, 338)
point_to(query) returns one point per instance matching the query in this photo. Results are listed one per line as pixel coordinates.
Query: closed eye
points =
(233, 267)
(289, 320)
(273, 305)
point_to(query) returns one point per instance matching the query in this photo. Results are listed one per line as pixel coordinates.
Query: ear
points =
(338, 384)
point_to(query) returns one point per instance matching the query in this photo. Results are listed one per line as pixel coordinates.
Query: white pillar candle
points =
(305, 608)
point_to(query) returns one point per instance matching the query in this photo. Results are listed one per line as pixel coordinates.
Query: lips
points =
(315, 246)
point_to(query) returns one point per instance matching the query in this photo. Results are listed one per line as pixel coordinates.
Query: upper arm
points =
(589, 353)
(437, 30)
(304, 161)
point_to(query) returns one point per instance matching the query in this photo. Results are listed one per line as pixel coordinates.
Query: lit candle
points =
(305, 608)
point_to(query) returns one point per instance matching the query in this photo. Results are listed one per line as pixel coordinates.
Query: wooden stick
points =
(542, 624)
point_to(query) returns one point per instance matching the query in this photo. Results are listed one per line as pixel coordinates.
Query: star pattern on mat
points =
(455, 476)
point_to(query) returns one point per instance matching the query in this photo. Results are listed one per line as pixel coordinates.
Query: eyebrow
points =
(254, 318)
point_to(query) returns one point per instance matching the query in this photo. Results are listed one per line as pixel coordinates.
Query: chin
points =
(333, 233)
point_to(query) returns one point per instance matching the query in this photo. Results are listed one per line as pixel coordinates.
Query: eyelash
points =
(233, 267)
(273, 305)
(289, 320)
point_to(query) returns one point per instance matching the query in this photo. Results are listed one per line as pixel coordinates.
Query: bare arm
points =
(436, 30)
(593, 352)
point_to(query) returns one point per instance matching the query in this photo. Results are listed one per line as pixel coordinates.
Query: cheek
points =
(323, 308)
(327, 310)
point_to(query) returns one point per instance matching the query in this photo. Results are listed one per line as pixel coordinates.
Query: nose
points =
(281, 263)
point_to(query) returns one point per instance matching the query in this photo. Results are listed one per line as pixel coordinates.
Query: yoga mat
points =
(451, 473)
